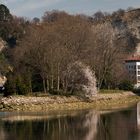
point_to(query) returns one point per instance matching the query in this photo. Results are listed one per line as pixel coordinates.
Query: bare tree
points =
(105, 52)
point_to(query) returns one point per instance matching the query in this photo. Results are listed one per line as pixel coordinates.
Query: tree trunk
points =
(44, 85)
(30, 81)
(30, 84)
(58, 83)
(48, 85)
(52, 86)
(66, 85)
(63, 84)
(58, 79)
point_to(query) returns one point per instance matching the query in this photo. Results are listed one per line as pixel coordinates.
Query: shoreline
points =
(56, 102)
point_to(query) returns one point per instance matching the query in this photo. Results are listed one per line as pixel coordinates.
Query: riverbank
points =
(55, 102)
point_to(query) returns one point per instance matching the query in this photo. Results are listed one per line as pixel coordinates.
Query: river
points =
(72, 125)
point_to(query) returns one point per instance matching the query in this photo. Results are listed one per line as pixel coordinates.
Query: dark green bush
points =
(137, 91)
(15, 85)
(10, 87)
(22, 89)
(126, 85)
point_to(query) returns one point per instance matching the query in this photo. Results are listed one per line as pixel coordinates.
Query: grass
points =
(107, 91)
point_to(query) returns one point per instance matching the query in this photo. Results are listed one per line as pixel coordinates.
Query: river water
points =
(72, 125)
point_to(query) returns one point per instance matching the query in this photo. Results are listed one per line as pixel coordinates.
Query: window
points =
(134, 67)
(138, 72)
(138, 78)
(138, 66)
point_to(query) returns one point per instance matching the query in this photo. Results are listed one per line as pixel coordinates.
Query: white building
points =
(133, 68)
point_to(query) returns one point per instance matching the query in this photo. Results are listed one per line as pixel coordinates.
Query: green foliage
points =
(5, 22)
(37, 83)
(21, 88)
(4, 13)
(10, 88)
(137, 91)
(15, 85)
(126, 85)
(4, 65)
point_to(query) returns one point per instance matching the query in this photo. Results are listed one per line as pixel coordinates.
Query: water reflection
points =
(74, 125)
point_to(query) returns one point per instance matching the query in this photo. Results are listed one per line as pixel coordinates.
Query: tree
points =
(36, 20)
(98, 16)
(45, 51)
(33, 55)
(51, 16)
(105, 54)
(55, 46)
(4, 13)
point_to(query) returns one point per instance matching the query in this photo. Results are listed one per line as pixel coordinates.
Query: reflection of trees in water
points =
(120, 125)
(85, 125)
(82, 126)
(91, 123)
(2, 132)
(79, 127)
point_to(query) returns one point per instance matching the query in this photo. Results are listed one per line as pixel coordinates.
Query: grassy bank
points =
(99, 102)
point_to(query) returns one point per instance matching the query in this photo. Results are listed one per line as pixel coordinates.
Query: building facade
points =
(133, 69)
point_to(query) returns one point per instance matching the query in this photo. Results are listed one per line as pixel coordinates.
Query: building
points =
(133, 68)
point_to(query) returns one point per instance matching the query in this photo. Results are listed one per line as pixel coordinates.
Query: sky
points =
(36, 8)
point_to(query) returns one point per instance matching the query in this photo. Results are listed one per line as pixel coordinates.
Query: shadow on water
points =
(72, 125)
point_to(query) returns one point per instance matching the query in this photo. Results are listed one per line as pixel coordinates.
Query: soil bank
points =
(57, 102)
